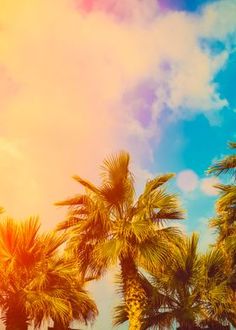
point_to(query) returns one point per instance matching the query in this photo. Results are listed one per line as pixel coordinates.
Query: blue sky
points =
(186, 5)
(194, 143)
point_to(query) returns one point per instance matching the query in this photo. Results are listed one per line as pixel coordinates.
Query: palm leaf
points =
(52, 241)
(232, 145)
(77, 200)
(86, 184)
(117, 185)
(226, 165)
(155, 183)
(9, 237)
(120, 315)
(115, 168)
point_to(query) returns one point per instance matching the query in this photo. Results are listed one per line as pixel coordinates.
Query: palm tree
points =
(172, 294)
(191, 291)
(107, 225)
(35, 283)
(225, 220)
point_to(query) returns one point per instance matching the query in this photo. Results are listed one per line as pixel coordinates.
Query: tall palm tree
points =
(191, 291)
(35, 283)
(108, 225)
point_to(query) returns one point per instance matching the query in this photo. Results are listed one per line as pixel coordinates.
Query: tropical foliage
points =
(225, 220)
(36, 283)
(164, 281)
(108, 225)
(191, 291)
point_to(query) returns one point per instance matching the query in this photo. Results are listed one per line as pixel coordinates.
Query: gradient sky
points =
(81, 79)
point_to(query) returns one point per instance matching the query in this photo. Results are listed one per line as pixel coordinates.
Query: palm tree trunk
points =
(135, 296)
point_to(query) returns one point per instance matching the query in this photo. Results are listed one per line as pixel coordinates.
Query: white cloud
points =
(218, 20)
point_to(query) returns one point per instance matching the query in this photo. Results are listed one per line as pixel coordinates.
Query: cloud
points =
(187, 181)
(207, 186)
(218, 21)
(133, 10)
(79, 85)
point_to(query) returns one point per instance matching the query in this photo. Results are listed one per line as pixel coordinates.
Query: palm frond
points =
(227, 199)
(140, 228)
(214, 264)
(67, 223)
(108, 252)
(117, 185)
(171, 235)
(43, 306)
(230, 244)
(86, 184)
(120, 315)
(115, 168)
(9, 237)
(29, 230)
(52, 241)
(160, 320)
(165, 215)
(153, 252)
(226, 165)
(232, 145)
(77, 200)
(155, 183)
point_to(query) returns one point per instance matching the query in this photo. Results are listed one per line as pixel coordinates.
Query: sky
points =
(82, 79)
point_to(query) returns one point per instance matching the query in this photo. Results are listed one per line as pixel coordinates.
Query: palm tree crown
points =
(191, 289)
(36, 283)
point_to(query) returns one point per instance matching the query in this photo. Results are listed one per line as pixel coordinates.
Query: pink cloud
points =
(187, 180)
(208, 186)
(129, 10)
